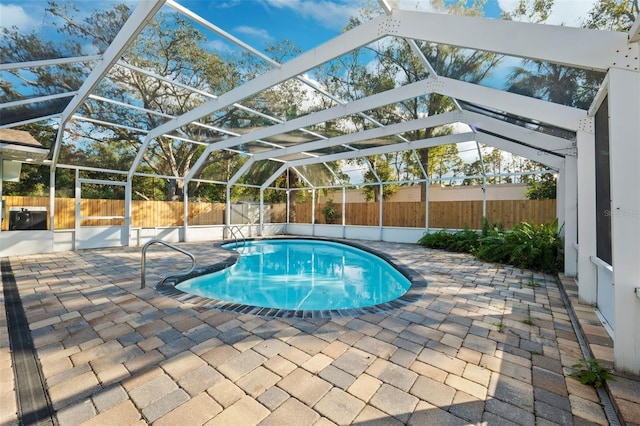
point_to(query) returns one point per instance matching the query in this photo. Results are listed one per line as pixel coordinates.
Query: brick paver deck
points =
(486, 344)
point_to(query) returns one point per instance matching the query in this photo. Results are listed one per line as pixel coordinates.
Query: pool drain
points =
(33, 403)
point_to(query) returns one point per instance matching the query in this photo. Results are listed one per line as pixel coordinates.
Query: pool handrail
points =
(164, 243)
(233, 234)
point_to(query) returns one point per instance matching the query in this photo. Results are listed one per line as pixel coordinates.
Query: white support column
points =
(484, 182)
(288, 191)
(313, 211)
(344, 211)
(52, 196)
(586, 170)
(624, 157)
(126, 235)
(77, 197)
(227, 209)
(568, 214)
(561, 199)
(427, 184)
(380, 206)
(185, 212)
(261, 216)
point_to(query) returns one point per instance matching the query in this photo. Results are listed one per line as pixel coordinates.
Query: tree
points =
(473, 169)
(613, 15)
(169, 47)
(531, 11)
(391, 62)
(493, 164)
(542, 188)
(560, 84)
(384, 171)
(444, 161)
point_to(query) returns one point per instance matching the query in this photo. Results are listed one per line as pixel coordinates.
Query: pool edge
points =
(416, 291)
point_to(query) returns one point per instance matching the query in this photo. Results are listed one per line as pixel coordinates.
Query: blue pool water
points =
(302, 275)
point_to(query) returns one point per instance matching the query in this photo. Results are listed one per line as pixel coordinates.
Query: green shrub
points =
(438, 240)
(466, 241)
(330, 212)
(527, 246)
(460, 241)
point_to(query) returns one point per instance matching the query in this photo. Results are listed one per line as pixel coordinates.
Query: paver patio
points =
(487, 344)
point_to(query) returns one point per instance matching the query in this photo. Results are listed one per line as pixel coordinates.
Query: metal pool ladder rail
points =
(164, 243)
(233, 234)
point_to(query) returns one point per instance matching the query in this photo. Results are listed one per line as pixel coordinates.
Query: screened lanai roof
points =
(294, 109)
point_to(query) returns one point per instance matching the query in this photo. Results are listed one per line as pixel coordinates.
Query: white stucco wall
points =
(510, 191)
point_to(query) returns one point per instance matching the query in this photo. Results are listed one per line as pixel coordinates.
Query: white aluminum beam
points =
(401, 23)
(554, 114)
(535, 139)
(109, 124)
(130, 106)
(133, 129)
(190, 14)
(31, 120)
(413, 45)
(165, 79)
(241, 171)
(371, 169)
(301, 176)
(548, 160)
(48, 62)
(574, 47)
(378, 132)
(544, 143)
(400, 146)
(91, 169)
(200, 20)
(345, 42)
(523, 106)
(527, 136)
(38, 99)
(139, 18)
(198, 91)
(374, 101)
(634, 31)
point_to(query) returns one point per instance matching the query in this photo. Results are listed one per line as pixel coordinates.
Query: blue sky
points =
(307, 23)
(310, 22)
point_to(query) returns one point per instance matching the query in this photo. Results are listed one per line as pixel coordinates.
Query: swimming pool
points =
(302, 275)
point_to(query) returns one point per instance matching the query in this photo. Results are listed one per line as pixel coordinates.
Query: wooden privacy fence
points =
(143, 213)
(442, 214)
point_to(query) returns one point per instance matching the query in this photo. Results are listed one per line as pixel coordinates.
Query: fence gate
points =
(98, 223)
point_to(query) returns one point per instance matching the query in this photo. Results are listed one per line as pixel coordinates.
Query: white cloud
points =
(570, 12)
(259, 33)
(422, 6)
(13, 15)
(327, 13)
(219, 46)
(312, 98)
(564, 12)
